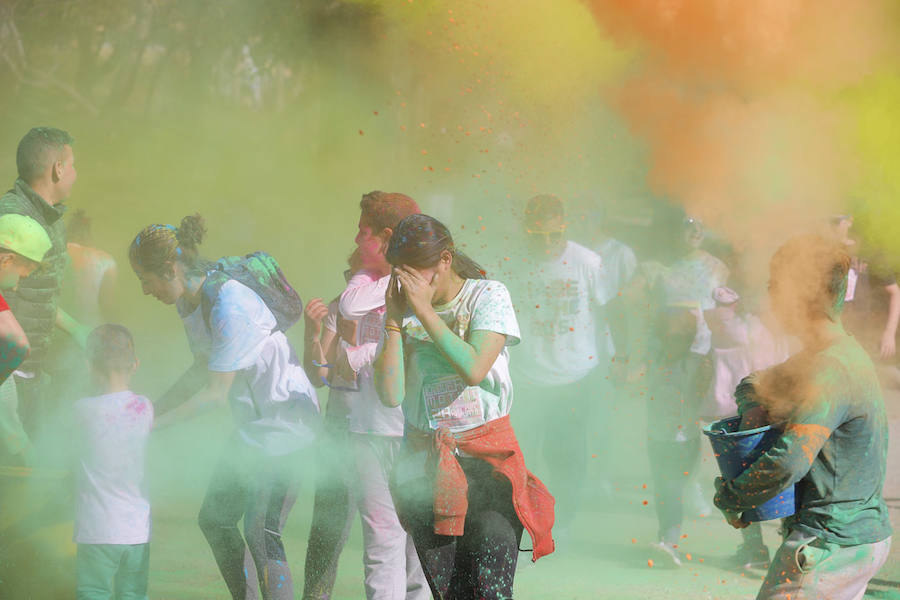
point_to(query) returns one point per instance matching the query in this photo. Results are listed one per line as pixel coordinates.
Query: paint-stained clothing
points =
(560, 302)
(272, 401)
(834, 446)
(807, 568)
(111, 502)
(495, 443)
(35, 301)
(436, 396)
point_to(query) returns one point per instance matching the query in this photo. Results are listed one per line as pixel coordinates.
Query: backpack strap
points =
(209, 291)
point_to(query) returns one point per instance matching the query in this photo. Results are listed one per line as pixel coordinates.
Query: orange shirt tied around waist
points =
(495, 443)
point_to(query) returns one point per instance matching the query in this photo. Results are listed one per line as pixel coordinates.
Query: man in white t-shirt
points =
(392, 568)
(112, 512)
(559, 286)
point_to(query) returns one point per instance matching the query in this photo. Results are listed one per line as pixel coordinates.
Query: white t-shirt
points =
(558, 305)
(689, 283)
(436, 396)
(271, 395)
(619, 264)
(111, 505)
(368, 415)
(338, 400)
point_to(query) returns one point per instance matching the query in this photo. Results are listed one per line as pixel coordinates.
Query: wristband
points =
(393, 328)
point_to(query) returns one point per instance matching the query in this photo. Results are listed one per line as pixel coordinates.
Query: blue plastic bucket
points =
(736, 450)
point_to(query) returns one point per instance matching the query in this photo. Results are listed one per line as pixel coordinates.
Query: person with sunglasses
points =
(561, 286)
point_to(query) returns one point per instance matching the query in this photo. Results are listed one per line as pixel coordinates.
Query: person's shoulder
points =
(233, 292)
(487, 285)
(487, 290)
(100, 257)
(582, 255)
(12, 202)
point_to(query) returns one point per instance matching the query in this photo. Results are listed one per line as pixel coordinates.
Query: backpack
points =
(259, 272)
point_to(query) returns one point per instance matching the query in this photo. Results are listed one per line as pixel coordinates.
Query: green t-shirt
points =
(833, 445)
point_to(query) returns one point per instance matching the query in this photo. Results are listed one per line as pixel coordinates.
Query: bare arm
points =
(212, 395)
(189, 384)
(318, 341)
(75, 329)
(471, 360)
(889, 336)
(107, 299)
(390, 377)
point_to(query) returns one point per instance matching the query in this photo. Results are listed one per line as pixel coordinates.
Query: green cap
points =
(23, 235)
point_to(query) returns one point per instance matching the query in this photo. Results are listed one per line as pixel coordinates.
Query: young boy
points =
(833, 444)
(23, 244)
(112, 513)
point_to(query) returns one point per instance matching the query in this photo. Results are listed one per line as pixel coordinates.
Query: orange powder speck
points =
(633, 541)
(361, 132)
(650, 562)
(645, 503)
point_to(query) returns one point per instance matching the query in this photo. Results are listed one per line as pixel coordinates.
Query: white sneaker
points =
(667, 553)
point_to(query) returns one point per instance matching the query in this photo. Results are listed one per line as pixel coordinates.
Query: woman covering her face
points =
(462, 489)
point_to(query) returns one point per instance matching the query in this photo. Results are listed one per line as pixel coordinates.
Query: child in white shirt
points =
(112, 512)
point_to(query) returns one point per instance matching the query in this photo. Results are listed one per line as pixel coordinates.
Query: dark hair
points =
(380, 210)
(38, 150)
(158, 245)
(816, 269)
(110, 349)
(78, 229)
(544, 207)
(419, 240)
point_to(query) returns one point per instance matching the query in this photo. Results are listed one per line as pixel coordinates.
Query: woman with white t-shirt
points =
(240, 356)
(461, 489)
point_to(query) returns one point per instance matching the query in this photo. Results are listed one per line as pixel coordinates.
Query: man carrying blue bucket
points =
(827, 401)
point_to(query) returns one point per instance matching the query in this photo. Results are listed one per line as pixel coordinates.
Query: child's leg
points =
(96, 565)
(134, 570)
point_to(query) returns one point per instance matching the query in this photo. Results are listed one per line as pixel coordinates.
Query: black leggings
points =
(261, 490)
(480, 564)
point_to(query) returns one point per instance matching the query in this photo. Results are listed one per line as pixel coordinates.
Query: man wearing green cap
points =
(45, 163)
(23, 244)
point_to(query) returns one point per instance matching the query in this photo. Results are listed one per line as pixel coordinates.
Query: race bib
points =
(451, 403)
(370, 328)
